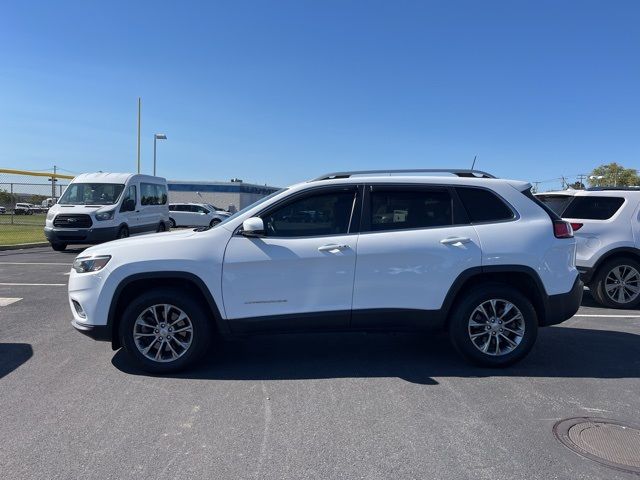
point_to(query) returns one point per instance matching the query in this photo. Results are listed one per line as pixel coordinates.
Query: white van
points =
(98, 207)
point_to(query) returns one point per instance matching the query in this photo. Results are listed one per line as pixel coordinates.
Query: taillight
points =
(576, 226)
(562, 229)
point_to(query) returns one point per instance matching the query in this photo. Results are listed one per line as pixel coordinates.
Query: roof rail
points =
(456, 171)
(631, 188)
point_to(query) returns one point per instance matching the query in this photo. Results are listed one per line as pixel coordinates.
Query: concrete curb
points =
(20, 246)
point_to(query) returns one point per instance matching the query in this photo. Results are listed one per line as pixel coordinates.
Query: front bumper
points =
(97, 332)
(80, 235)
(563, 306)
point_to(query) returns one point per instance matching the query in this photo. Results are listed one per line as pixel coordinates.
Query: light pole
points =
(156, 137)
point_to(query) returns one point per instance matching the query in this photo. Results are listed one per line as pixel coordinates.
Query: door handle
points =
(332, 247)
(454, 240)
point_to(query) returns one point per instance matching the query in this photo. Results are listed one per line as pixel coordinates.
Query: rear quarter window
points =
(593, 208)
(483, 205)
(557, 203)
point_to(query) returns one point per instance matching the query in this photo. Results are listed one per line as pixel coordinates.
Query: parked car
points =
(195, 215)
(23, 209)
(606, 222)
(98, 207)
(469, 253)
(3, 210)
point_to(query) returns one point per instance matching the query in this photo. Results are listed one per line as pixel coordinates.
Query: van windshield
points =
(91, 194)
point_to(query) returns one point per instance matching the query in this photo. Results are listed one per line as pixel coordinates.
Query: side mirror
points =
(129, 205)
(253, 227)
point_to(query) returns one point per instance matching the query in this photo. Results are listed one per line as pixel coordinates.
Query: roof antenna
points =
(474, 161)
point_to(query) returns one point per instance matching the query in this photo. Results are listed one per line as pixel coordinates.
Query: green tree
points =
(5, 198)
(577, 185)
(613, 175)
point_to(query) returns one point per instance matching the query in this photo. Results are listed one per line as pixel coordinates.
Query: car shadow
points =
(416, 358)
(12, 355)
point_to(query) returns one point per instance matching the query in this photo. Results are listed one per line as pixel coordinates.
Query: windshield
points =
(249, 207)
(91, 194)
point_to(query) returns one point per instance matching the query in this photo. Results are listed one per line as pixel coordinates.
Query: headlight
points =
(108, 215)
(90, 264)
(50, 215)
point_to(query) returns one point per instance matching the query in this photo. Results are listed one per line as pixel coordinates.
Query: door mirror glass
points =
(253, 227)
(129, 205)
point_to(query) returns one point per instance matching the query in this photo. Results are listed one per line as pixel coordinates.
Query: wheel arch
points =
(522, 278)
(620, 252)
(135, 284)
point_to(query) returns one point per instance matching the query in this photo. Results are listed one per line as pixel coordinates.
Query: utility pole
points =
(139, 112)
(581, 180)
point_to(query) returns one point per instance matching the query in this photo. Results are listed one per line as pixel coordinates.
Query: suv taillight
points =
(576, 226)
(562, 229)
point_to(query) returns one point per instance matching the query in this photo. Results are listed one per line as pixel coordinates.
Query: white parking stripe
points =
(33, 284)
(34, 263)
(4, 301)
(607, 316)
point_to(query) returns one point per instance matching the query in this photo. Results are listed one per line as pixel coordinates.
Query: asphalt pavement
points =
(368, 406)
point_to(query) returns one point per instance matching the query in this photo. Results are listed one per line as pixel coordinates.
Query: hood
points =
(153, 239)
(57, 208)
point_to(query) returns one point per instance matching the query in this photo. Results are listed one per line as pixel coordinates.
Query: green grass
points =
(35, 219)
(14, 234)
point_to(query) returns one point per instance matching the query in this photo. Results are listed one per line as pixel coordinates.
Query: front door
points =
(299, 275)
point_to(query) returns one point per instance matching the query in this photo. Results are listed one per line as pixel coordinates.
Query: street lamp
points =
(156, 137)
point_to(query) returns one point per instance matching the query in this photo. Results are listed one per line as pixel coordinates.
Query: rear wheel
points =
(617, 284)
(123, 232)
(58, 247)
(161, 227)
(494, 325)
(165, 330)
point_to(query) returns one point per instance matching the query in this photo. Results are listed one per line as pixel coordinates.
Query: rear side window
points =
(483, 205)
(593, 208)
(153, 194)
(557, 203)
(415, 208)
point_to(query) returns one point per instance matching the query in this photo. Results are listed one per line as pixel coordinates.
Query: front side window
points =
(321, 214)
(483, 205)
(415, 208)
(593, 208)
(91, 194)
(129, 195)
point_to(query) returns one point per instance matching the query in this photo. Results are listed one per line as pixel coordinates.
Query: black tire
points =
(214, 222)
(161, 227)
(172, 223)
(597, 286)
(58, 247)
(123, 232)
(200, 321)
(460, 330)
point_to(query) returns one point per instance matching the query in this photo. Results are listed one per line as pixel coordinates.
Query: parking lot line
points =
(34, 263)
(607, 316)
(4, 301)
(33, 284)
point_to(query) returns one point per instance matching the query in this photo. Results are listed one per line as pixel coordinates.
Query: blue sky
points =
(280, 91)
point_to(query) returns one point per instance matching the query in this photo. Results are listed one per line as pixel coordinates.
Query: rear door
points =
(415, 241)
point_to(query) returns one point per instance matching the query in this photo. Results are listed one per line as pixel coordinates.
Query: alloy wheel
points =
(496, 327)
(163, 333)
(622, 284)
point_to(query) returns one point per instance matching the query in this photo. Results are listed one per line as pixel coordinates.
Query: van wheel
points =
(172, 223)
(58, 247)
(617, 284)
(161, 227)
(123, 232)
(494, 325)
(165, 330)
(214, 222)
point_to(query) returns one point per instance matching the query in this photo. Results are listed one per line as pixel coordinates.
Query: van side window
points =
(129, 195)
(153, 194)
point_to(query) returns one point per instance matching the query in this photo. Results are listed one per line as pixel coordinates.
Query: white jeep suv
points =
(355, 251)
(606, 222)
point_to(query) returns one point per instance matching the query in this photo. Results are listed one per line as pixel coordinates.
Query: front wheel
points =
(161, 227)
(123, 232)
(172, 223)
(617, 284)
(165, 330)
(494, 325)
(58, 247)
(214, 222)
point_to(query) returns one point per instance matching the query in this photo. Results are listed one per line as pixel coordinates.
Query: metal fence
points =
(25, 198)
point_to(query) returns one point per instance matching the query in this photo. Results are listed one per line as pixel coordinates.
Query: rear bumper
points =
(563, 306)
(586, 274)
(80, 235)
(97, 332)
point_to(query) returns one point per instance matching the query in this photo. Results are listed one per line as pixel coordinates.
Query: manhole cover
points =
(612, 443)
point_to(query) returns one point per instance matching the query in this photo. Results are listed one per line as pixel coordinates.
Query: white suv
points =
(606, 222)
(195, 215)
(461, 251)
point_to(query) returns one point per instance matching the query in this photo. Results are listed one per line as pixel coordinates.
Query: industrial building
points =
(231, 196)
